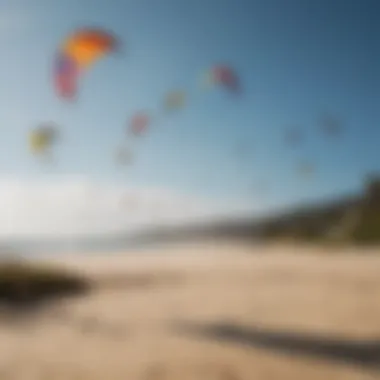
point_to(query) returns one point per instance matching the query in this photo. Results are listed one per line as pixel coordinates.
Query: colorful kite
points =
(42, 138)
(139, 123)
(76, 54)
(223, 76)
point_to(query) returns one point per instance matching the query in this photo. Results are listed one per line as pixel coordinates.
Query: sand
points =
(289, 312)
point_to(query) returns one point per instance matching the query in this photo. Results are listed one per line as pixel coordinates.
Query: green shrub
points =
(23, 283)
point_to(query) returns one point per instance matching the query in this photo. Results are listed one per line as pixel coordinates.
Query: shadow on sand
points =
(364, 353)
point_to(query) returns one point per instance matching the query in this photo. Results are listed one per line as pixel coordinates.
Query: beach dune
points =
(207, 311)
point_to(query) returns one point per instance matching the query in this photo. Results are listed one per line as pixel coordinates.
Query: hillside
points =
(354, 219)
(351, 219)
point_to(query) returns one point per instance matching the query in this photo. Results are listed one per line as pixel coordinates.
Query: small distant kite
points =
(331, 126)
(175, 100)
(76, 54)
(139, 123)
(223, 76)
(42, 138)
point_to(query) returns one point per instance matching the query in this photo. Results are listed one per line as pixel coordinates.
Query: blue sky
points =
(296, 59)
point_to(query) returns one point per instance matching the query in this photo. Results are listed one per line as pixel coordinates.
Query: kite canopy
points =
(139, 123)
(224, 76)
(37, 142)
(66, 74)
(76, 54)
(42, 138)
(175, 100)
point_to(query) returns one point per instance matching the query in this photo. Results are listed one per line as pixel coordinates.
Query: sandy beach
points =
(208, 311)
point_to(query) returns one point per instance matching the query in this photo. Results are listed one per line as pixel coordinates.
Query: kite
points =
(42, 138)
(76, 54)
(175, 100)
(223, 76)
(139, 123)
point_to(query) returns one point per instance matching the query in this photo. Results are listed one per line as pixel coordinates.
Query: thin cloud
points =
(74, 207)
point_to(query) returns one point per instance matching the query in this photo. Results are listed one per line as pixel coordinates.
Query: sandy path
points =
(131, 332)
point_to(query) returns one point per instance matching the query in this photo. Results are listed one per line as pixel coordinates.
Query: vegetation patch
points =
(25, 284)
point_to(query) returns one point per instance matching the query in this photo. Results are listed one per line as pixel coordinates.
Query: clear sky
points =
(296, 59)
